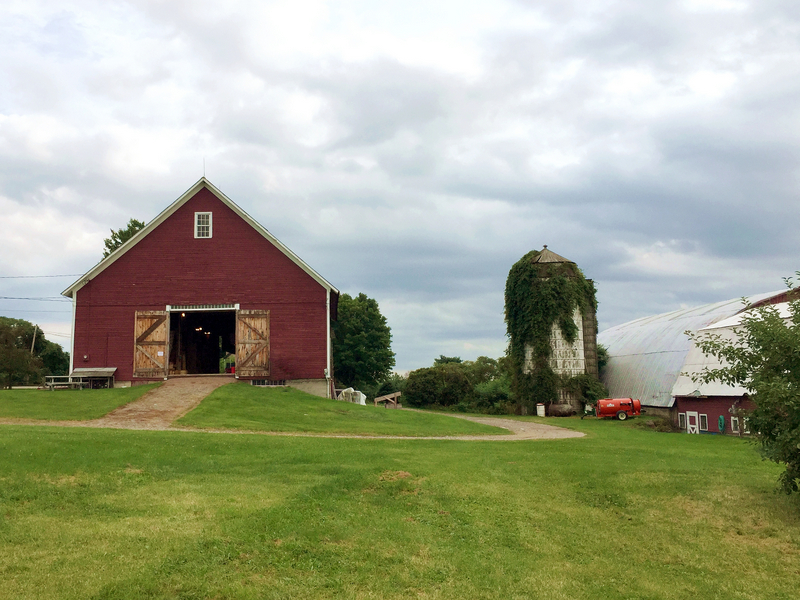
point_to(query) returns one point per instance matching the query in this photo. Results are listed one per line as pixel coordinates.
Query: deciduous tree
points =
(120, 236)
(362, 342)
(765, 360)
(18, 365)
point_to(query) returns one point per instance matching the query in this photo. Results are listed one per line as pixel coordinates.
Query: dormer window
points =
(202, 225)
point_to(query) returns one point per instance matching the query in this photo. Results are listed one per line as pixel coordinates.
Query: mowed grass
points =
(251, 408)
(620, 513)
(71, 405)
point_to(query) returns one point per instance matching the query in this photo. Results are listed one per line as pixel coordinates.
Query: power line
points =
(38, 276)
(22, 310)
(65, 335)
(41, 299)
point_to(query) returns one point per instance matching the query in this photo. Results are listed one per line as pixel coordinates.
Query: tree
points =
(481, 385)
(362, 343)
(443, 360)
(765, 360)
(443, 384)
(17, 365)
(121, 236)
(602, 357)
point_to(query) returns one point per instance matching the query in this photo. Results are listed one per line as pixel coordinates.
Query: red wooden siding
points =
(714, 407)
(236, 265)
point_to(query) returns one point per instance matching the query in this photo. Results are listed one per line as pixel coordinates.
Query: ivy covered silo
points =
(552, 328)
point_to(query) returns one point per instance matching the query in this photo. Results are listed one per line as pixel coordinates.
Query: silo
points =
(552, 327)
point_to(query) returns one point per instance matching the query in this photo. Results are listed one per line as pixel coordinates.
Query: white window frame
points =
(734, 424)
(197, 225)
(746, 425)
(703, 420)
(682, 421)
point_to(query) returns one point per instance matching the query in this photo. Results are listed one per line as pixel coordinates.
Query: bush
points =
(491, 395)
(443, 385)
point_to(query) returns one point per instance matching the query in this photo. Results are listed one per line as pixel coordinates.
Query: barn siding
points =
(714, 407)
(236, 265)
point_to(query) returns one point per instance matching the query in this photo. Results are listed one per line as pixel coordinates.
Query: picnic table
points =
(52, 382)
(83, 377)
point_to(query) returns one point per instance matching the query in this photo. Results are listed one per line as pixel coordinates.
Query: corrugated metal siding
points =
(236, 265)
(647, 355)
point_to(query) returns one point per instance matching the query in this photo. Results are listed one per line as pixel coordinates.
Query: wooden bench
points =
(389, 400)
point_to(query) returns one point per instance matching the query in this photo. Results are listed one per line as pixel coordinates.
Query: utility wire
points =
(42, 299)
(37, 276)
(25, 311)
(65, 335)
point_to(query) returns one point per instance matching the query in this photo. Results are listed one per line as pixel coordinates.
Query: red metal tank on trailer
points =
(621, 408)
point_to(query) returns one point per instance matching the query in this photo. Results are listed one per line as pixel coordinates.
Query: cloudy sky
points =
(414, 150)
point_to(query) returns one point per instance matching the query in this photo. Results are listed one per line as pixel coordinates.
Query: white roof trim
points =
(167, 212)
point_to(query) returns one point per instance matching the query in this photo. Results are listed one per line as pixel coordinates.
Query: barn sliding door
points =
(150, 353)
(252, 343)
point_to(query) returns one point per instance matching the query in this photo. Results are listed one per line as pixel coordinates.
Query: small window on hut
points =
(202, 224)
(682, 420)
(703, 422)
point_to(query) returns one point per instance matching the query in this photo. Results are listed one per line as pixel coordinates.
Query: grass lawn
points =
(72, 405)
(243, 406)
(621, 513)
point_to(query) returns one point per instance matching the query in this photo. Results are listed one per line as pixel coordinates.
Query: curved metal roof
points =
(646, 356)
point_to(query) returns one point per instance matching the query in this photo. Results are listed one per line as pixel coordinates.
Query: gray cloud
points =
(417, 159)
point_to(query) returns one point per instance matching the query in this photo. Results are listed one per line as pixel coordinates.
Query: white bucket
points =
(540, 410)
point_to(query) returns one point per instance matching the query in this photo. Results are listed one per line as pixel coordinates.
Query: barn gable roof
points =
(167, 212)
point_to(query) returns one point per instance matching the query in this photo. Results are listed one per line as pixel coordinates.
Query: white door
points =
(692, 422)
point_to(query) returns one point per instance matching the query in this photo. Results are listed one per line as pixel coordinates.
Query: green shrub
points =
(443, 384)
(492, 394)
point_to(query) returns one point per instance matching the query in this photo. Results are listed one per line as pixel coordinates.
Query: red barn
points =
(200, 282)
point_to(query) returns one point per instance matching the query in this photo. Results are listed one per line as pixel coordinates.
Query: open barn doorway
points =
(201, 342)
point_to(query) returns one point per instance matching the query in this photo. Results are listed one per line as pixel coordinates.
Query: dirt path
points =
(159, 408)
(156, 410)
(520, 430)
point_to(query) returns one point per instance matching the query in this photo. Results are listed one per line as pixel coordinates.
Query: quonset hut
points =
(552, 326)
(654, 360)
(201, 280)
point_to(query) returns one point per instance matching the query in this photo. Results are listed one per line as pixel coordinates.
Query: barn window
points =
(682, 420)
(703, 422)
(202, 224)
(746, 425)
(735, 424)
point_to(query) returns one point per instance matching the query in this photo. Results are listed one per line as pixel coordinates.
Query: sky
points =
(413, 151)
